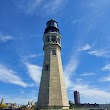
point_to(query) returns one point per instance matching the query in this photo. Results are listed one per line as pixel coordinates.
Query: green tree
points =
(3, 106)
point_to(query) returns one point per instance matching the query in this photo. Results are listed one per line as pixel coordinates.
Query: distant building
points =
(11, 105)
(30, 104)
(2, 101)
(76, 97)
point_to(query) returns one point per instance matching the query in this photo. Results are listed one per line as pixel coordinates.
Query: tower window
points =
(53, 52)
(46, 67)
(53, 38)
(47, 39)
(59, 41)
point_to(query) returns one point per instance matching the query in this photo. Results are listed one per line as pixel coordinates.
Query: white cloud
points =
(5, 38)
(33, 4)
(87, 74)
(54, 5)
(105, 79)
(69, 70)
(34, 72)
(30, 6)
(71, 66)
(68, 82)
(32, 56)
(77, 20)
(9, 76)
(100, 53)
(106, 68)
(85, 47)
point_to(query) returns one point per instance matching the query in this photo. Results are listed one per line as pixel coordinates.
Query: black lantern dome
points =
(51, 26)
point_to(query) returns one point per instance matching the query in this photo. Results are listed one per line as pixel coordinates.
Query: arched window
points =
(58, 40)
(47, 39)
(53, 39)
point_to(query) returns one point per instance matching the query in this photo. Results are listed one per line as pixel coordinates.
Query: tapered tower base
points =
(51, 108)
(52, 92)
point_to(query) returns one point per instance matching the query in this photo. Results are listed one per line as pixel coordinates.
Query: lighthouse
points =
(52, 91)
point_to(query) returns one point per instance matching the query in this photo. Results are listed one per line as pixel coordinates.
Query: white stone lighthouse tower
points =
(52, 92)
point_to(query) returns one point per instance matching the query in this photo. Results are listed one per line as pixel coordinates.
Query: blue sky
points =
(84, 26)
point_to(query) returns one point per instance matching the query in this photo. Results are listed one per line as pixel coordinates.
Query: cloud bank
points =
(9, 76)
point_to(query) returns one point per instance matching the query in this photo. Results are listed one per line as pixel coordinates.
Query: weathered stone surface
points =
(52, 92)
